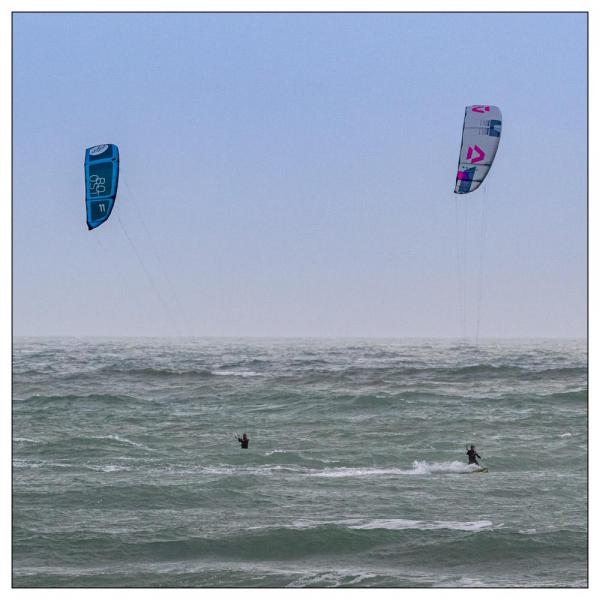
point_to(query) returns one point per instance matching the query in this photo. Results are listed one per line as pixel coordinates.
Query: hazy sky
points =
(293, 175)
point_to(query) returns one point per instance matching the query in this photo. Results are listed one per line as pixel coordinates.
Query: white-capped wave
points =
(419, 467)
(107, 468)
(411, 524)
(355, 472)
(422, 467)
(236, 471)
(333, 578)
(236, 373)
(123, 440)
(391, 524)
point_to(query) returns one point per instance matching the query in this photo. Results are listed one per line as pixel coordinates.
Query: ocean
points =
(127, 471)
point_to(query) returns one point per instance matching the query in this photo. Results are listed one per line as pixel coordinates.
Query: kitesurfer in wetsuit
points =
(244, 441)
(473, 456)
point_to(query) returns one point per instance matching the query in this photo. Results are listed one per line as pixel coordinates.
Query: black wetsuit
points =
(243, 442)
(473, 456)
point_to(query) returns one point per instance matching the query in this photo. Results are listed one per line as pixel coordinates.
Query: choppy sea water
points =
(127, 472)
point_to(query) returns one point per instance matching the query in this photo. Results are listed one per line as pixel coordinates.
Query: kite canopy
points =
(480, 139)
(101, 180)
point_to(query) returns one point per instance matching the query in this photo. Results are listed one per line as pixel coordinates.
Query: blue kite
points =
(101, 181)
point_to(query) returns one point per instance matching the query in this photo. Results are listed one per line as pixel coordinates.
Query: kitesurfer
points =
(473, 456)
(243, 441)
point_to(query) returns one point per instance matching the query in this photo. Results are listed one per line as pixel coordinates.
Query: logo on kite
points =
(97, 185)
(480, 108)
(98, 149)
(480, 154)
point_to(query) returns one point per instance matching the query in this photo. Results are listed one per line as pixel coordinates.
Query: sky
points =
(293, 175)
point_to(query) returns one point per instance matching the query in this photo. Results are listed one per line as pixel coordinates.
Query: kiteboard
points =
(480, 470)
